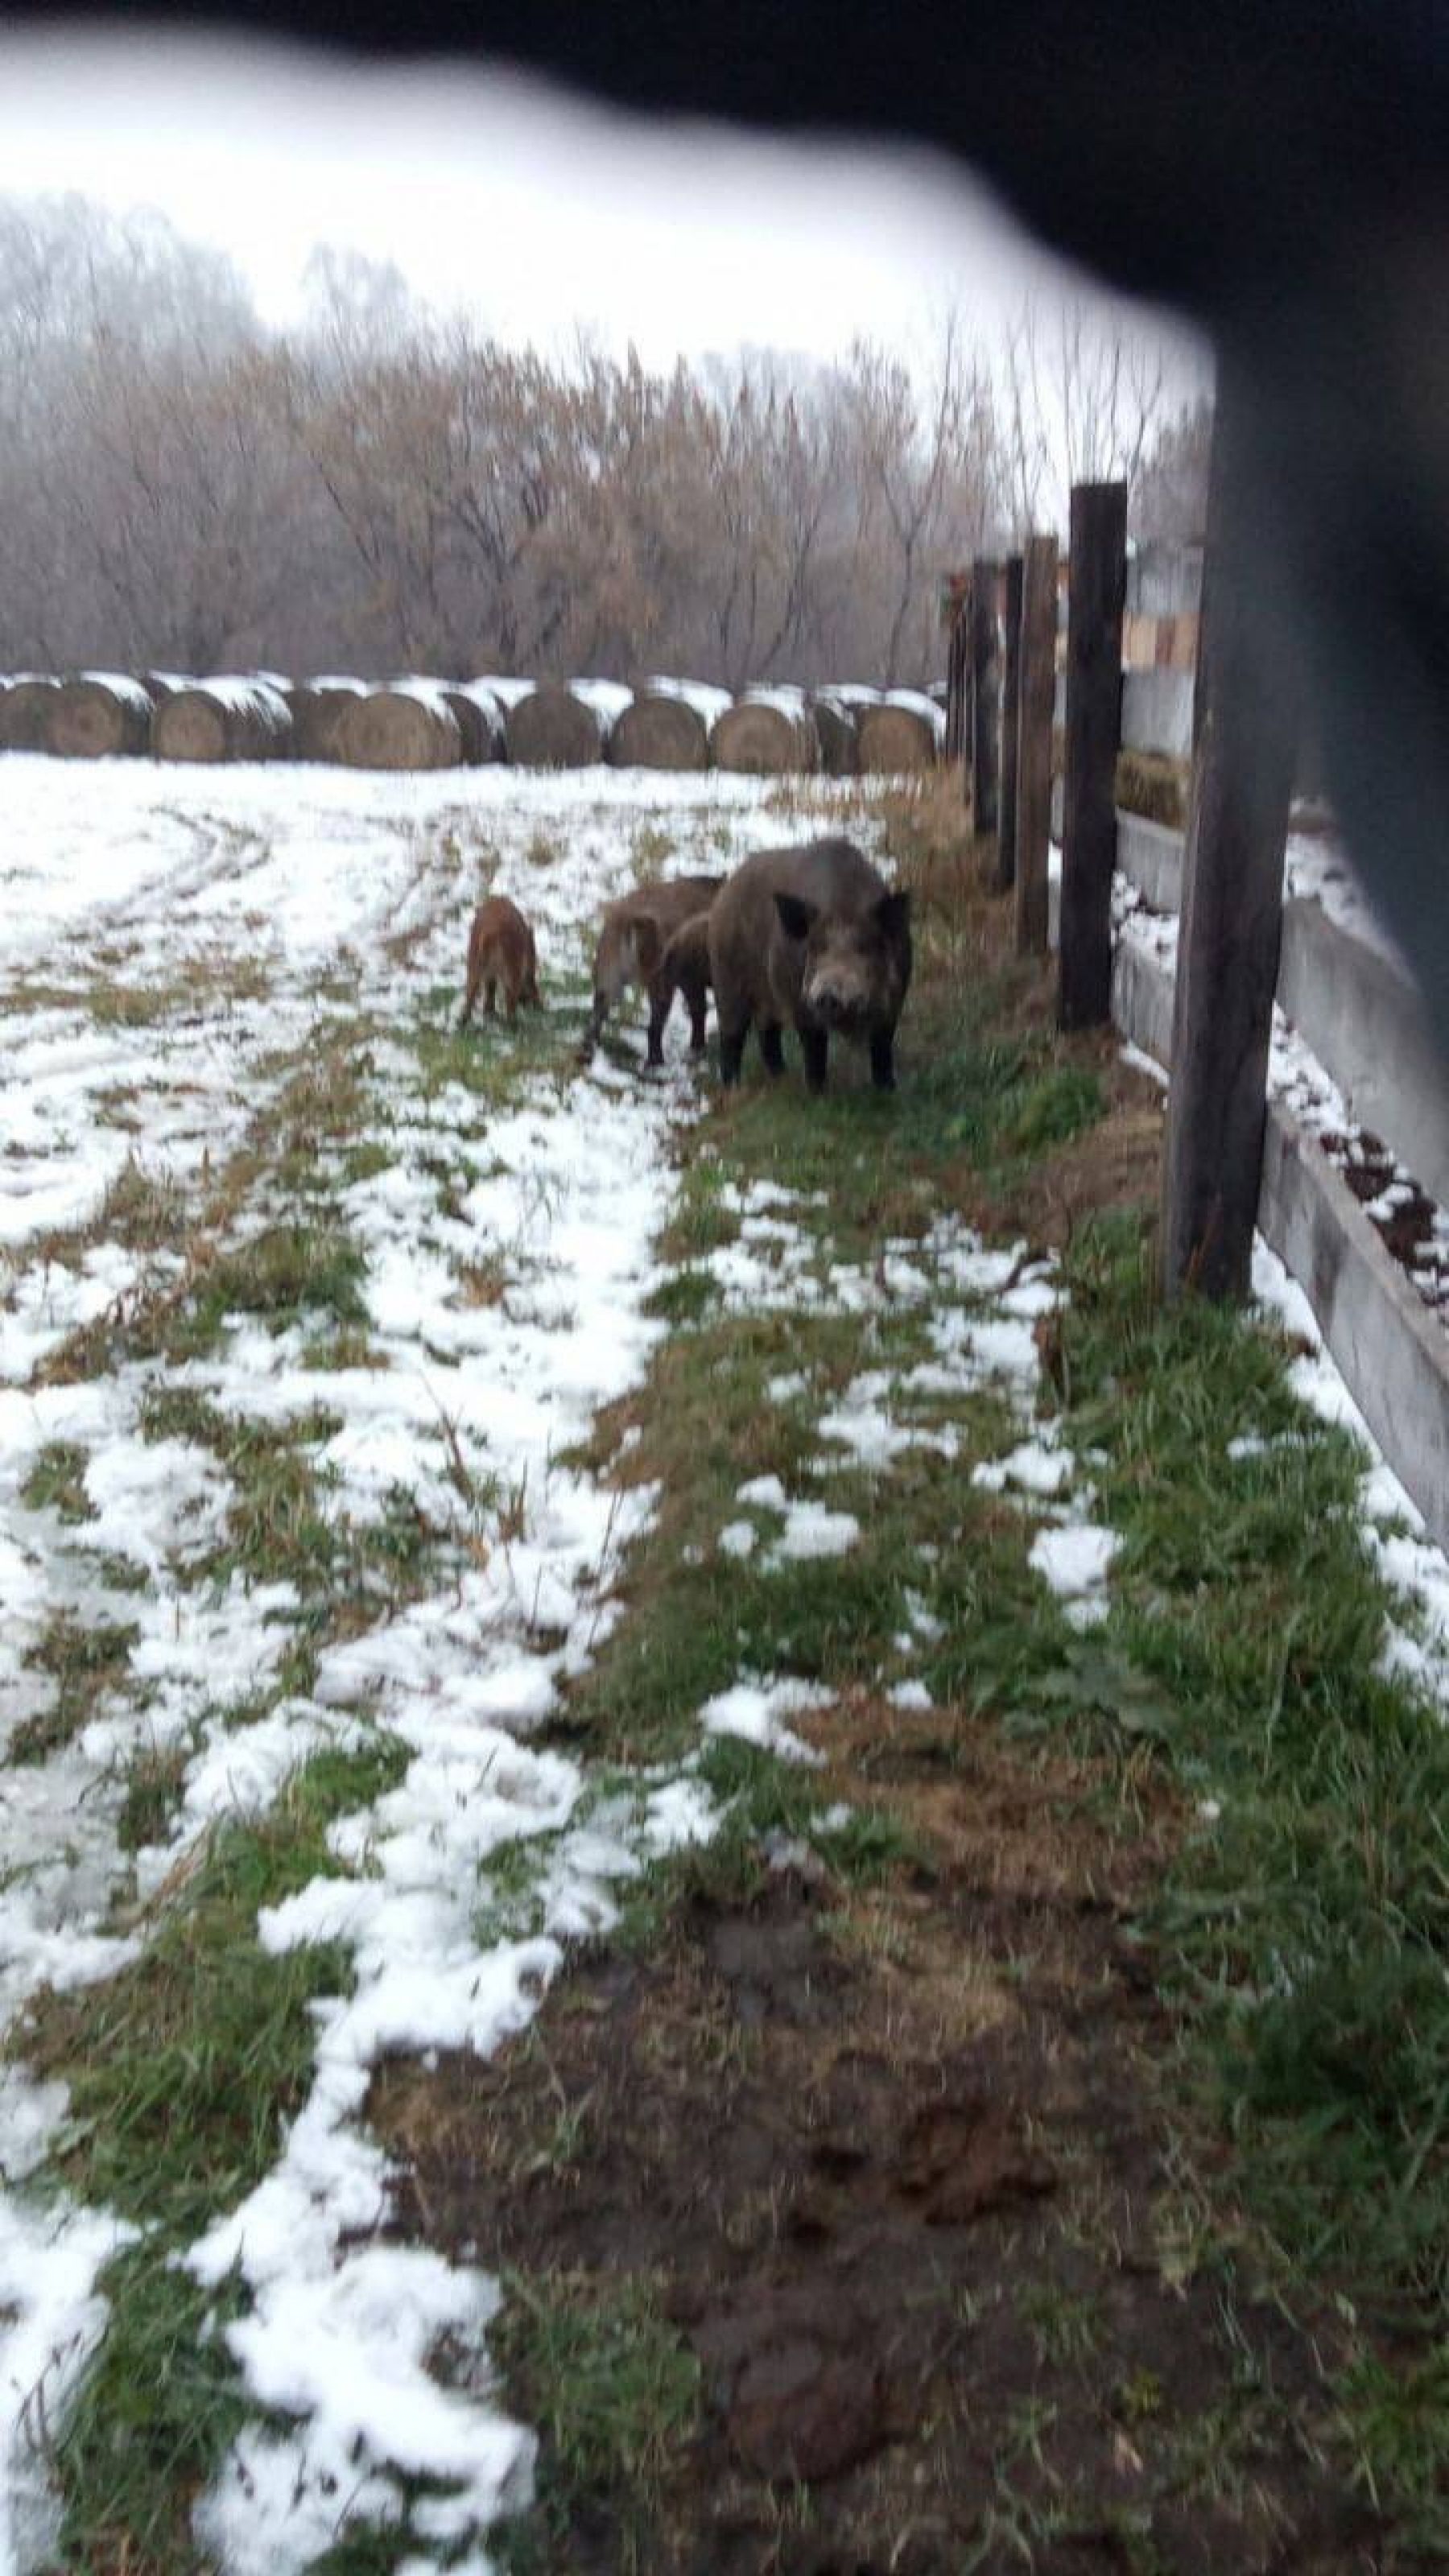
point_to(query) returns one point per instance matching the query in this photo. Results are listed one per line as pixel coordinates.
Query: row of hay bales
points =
(433, 724)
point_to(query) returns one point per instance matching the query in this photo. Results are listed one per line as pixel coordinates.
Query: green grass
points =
(158, 2408)
(154, 1781)
(56, 1482)
(615, 2395)
(183, 2072)
(85, 1661)
(1305, 1928)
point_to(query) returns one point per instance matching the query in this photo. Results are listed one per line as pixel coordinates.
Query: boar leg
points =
(660, 997)
(695, 998)
(594, 1031)
(731, 1051)
(882, 1067)
(772, 1047)
(815, 1045)
(490, 998)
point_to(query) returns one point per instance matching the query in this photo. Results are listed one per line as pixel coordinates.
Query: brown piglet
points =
(501, 958)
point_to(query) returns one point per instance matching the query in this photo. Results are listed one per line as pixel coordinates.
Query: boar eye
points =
(796, 915)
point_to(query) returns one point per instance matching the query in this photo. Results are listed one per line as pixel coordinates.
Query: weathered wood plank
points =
(1034, 743)
(1232, 910)
(1098, 578)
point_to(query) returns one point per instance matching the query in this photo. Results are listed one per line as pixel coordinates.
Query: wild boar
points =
(501, 957)
(813, 935)
(683, 968)
(632, 939)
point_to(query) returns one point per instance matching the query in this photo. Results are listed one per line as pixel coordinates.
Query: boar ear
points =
(795, 915)
(893, 912)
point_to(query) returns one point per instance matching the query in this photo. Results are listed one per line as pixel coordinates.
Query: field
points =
(709, 1861)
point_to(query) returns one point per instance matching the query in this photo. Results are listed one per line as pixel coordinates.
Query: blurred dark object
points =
(1280, 175)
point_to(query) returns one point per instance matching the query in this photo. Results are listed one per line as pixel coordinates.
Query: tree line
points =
(381, 489)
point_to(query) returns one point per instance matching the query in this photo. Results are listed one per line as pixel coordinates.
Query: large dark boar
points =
(633, 936)
(813, 935)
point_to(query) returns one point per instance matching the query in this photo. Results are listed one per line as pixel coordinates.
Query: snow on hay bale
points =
(99, 715)
(767, 732)
(564, 725)
(24, 712)
(480, 721)
(223, 719)
(904, 732)
(406, 725)
(667, 725)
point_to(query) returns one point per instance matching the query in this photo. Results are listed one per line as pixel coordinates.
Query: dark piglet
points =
(812, 935)
(633, 936)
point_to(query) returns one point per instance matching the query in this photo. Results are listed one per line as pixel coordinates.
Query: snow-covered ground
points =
(175, 943)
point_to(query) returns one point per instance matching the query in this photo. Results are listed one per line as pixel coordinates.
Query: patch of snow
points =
(756, 1710)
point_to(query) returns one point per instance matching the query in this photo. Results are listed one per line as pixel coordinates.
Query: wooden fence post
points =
(1010, 710)
(985, 697)
(957, 670)
(1097, 585)
(1245, 737)
(1034, 743)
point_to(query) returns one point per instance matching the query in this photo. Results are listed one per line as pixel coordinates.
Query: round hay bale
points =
(222, 719)
(316, 706)
(24, 713)
(480, 723)
(659, 732)
(404, 726)
(552, 728)
(102, 715)
(835, 726)
(894, 738)
(768, 734)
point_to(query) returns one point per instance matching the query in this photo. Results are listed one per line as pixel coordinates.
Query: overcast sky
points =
(533, 211)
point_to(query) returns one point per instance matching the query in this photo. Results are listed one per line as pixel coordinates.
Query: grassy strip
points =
(183, 2073)
(1306, 1927)
(614, 2393)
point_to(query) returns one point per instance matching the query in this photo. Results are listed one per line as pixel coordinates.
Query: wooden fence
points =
(1191, 974)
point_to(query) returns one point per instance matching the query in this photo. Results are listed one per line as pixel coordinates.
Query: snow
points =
(506, 691)
(1416, 1647)
(120, 684)
(756, 1710)
(708, 702)
(916, 703)
(245, 696)
(1074, 1560)
(811, 1531)
(784, 698)
(338, 892)
(605, 700)
(849, 694)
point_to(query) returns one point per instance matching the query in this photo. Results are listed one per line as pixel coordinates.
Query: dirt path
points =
(867, 2217)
